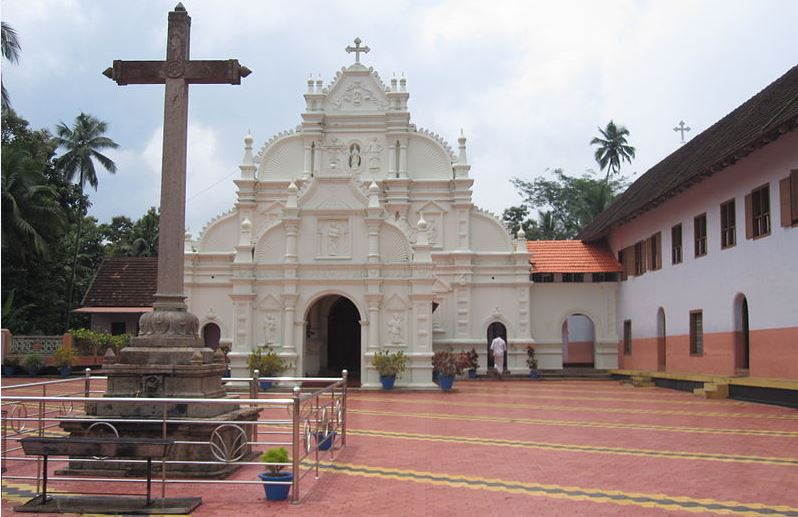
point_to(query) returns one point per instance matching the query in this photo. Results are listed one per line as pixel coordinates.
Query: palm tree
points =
(612, 149)
(9, 44)
(83, 143)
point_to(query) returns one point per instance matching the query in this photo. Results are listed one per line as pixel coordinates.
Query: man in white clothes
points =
(498, 347)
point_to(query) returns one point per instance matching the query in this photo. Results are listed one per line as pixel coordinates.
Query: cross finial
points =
(681, 128)
(357, 49)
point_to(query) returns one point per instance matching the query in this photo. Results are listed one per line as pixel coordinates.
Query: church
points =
(356, 232)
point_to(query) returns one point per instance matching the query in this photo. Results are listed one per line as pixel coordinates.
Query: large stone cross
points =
(176, 72)
(357, 49)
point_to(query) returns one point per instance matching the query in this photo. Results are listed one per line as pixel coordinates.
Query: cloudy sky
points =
(529, 82)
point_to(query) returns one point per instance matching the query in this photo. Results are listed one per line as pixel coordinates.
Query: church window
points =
(543, 277)
(676, 244)
(788, 194)
(727, 225)
(605, 277)
(696, 333)
(757, 213)
(627, 337)
(640, 258)
(573, 277)
(700, 234)
(655, 251)
(118, 327)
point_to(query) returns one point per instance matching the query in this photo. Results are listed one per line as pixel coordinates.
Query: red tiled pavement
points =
(537, 448)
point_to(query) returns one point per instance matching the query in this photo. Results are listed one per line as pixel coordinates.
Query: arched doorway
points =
(661, 349)
(742, 333)
(211, 334)
(332, 337)
(496, 329)
(578, 342)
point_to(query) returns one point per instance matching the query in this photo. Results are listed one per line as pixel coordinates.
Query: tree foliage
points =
(613, 149)
(11, 49)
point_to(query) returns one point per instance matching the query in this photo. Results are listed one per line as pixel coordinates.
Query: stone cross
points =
(176, 72)
(357, 49)
(681, 128)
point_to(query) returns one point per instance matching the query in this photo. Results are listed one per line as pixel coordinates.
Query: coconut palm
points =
(613, 149)
(82, 143)
(9, 44)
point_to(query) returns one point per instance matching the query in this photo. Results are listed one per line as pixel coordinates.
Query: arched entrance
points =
(496, 329)
(211, 334)
(742, 333)
(661, 350)
(332, 337)
(578, 341)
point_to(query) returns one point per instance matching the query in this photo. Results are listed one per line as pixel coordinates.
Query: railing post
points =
(87, 383)
(295, 448)
(253, 394)
(344, 374)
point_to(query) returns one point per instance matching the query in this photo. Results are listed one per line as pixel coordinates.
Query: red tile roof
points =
(124, 282)
(571, 257)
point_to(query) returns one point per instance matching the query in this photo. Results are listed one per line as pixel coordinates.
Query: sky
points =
(529, 82)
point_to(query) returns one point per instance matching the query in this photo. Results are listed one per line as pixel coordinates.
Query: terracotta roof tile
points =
(124, 282)
(571, 257)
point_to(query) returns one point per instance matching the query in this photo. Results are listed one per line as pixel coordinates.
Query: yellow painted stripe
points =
(591, 409)
(619, 398)
(577, 423)
(645, 500)
(591, 449)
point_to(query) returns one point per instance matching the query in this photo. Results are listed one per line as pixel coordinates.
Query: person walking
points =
(498, 346)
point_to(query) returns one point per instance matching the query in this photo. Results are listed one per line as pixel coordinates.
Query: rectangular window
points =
(605, 277)
(543, 277)
(655, 251)
(696, 333)
(728, 226)
(676, 244)
(573, 277)
(627, 337)
(700, 235)
(760, 211)
(640, 267)
(118, 327)
(788, 198)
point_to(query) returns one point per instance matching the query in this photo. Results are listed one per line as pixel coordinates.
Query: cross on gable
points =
(681, 128)
(357, 49)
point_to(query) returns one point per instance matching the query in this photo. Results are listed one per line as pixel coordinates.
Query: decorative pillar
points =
(403, 160)
(392, 160)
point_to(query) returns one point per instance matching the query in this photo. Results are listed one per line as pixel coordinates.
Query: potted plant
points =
(473, 363)
(33, 363)
(389, 365)
(448, 364)
(267, 362)
(272, 458)
(64, 358)
(532, 362)
(10, 365)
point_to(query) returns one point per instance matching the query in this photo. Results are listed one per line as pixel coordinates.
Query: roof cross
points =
(681, 128)
(357, 49)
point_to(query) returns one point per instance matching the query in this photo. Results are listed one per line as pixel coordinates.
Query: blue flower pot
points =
(446, 382)
(65, 372)
(8, 370)
(472, 374)
(264, 385)
(276, 492)
(325, 441)
(387, 381)
(534, 374)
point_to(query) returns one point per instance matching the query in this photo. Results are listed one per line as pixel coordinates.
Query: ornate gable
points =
(356, 89)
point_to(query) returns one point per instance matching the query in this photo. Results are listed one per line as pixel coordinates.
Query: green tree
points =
(9, 44)
(144, 236)
(116, 236)
(613, 149)
(82, 144)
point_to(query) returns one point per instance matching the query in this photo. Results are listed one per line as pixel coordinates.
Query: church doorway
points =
(332, 338)
(742, 333)
(578, 341)
(496, 329)
(661, 349)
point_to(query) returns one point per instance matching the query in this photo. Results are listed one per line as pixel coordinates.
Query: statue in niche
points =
(374, 149)
(395, 329)
(269, 328)
(354, 157)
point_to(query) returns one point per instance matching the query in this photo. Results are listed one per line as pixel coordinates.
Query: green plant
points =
(64, 357)
(90, 342)
(448, 363)
(473, 359)
(275, 455)
(10, 361)
(389, 363)
(266, 361)
(33, 362)
(531, 360)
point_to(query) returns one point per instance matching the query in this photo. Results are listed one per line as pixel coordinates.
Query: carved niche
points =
(333, 238)
(395, 321)
(269, 316)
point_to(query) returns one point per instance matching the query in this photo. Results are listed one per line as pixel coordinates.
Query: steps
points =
(713, 390)
(576, 374)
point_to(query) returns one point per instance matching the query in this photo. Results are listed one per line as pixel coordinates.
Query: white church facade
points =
(356, 232)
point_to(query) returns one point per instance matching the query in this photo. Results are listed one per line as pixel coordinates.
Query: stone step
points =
(713, 391)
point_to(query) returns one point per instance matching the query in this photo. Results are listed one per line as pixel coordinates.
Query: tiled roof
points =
(123, 282)
(760, 120)
(571, 257)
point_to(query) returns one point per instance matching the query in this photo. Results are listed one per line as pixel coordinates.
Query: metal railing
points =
(305, 421)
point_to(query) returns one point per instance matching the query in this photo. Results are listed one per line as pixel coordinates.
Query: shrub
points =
(89, 342)
(33, 362)
(10, 361)
(473, 359)
(389, 363)
(275, 455)
(531, 360)
(64, 357)
(266, 361)
(449, 363)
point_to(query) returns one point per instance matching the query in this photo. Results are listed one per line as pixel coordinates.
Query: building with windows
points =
(708, 243)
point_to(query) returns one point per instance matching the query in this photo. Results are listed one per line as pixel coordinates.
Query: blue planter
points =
(387, 381)
(534, 374)
(8, 370)
(276, 492)
(325, 441)
(264, 385)
(446, 382)
(65, 372)
(472, 374)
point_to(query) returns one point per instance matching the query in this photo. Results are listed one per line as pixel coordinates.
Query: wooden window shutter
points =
(646, 253)
(649, 255)
(629, 260)
(657, 260)
(794, 194)
(785, 198)
(749, 218)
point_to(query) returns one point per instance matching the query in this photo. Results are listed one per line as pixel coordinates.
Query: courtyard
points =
(529, 448)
